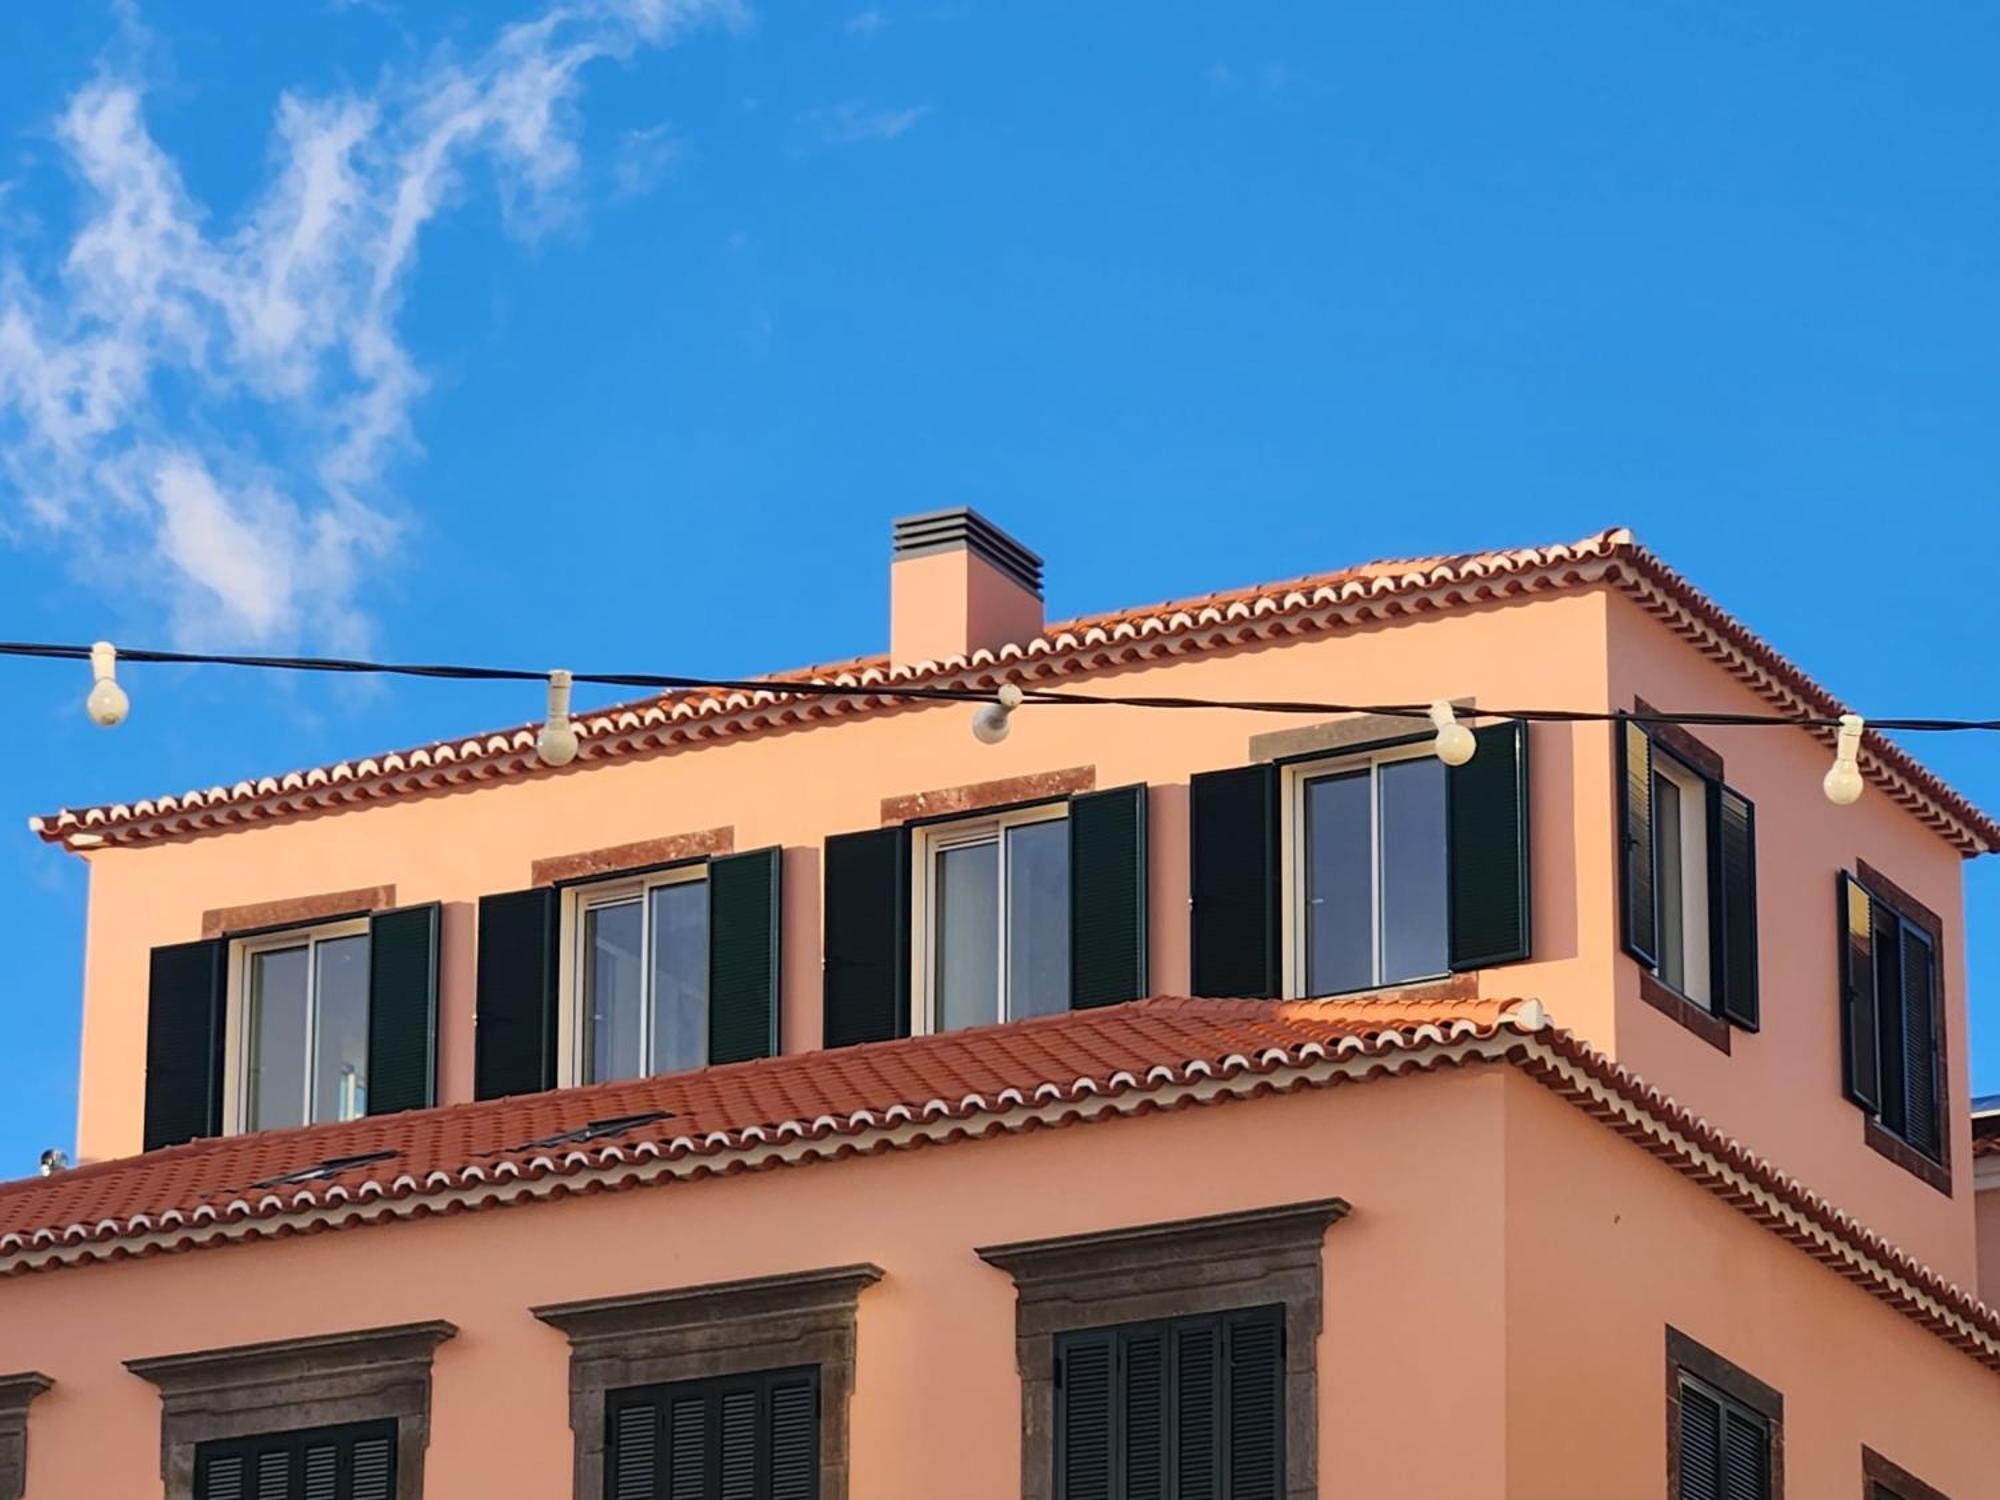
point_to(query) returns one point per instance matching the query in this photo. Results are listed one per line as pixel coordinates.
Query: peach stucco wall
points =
(1987, 1215)
(1495, 1302)
(1601, 1258)
(1780, 1091)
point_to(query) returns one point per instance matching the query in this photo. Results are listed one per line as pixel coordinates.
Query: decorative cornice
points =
(16, 1394)
(1329, 603)
(612, 1318)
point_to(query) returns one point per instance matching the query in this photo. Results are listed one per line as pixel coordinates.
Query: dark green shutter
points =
(1198, 1386)
(741, 1437)
(354, 1462)
(514, 1043)
(1733, 918)
(1143, 1382)
(1233, 857)
(743, 915)
(1700, 1445)
(184, 1025)
(1920, 1052)
(867, 937)
(1635, 803)
(1085, 1367)
(632, 1453)
(1487, 813)
(1254, 1404)
(402, 1009)
(795, 1437)
(1107, 897)
(1859, 1030)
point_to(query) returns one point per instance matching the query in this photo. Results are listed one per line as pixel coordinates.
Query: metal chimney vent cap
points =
(961, 526)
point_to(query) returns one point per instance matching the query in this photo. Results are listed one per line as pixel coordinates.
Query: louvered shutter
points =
(687, 1448)
(736, 1463)
(744, 912)
(1487, 814)
(1254, 1405)
(867, 936)
(184, 1027)
(514, 1044)
(1107, 897)
(1085, 1366)
(402, 1009)
(355, 1462)
(1920, 1051)
(1860, 1034)
(1746, 1458)
(795, 1438)
(632, 1451)
(1143, 1386)
(1700, 1445)
(1233, 853)
(1635, 780)
(1734, 927)
(1198, 1384)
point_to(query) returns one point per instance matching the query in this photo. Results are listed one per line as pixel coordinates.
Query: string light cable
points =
(557, 743)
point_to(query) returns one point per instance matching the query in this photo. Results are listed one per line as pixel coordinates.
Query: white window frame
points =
(236, 1022)
(572, 1053)
(1292, 860)
(930, 841)
(1692, 834)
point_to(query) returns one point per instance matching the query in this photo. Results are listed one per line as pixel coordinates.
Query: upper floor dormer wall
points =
(1576, 644)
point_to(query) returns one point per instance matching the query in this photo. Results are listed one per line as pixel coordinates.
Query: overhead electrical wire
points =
(558, 745)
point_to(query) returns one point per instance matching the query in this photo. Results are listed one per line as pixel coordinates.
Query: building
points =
(442, 1113)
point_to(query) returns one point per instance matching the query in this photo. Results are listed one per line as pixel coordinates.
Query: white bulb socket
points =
(991, 723)
(1455, 744)
(107, 704)
(1843, 784)
(556, 745)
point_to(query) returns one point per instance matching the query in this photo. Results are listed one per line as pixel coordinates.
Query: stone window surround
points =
(1877, 1470)
(1255, 1258)
(700, 1332)
(16, 1392)
(323, 1380)
(1685, 1355)
(295, 911)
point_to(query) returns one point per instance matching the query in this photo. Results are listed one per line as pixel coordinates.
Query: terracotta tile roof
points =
(1130, 1060)
(1326, 602)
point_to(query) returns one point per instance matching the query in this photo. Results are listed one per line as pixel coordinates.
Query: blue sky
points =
(613, 334)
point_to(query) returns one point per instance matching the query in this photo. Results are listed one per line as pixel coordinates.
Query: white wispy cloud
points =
(855, 123)
(205, 416)
(866, 22)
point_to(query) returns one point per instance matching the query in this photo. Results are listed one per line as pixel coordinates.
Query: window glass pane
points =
(1038, 919)
(966, 933)
(1339, 917)
(680, 975)
(1667, 847)
(277, 1082)
(611, 938)
(1416, 937)
(340, 1072)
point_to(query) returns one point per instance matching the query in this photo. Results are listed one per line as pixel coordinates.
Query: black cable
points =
(1053, 696)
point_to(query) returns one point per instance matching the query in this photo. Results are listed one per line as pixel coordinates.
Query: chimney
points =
(958, 583)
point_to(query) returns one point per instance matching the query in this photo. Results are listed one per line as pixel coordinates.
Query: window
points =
(300, 1007)
(1725, 1448)
(1370, 872)
(995, 914)
(356, 1462)
(1689, 866)
(1885, 1480)
(639, 978)
(1894, 1036)
(1725, 1428)
(748, 1437)
(1190, 1406)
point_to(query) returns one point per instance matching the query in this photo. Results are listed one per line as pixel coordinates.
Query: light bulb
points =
(556, 743)
(107, 704)
(1842, 783)
(991, 723)
(1455, 744)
